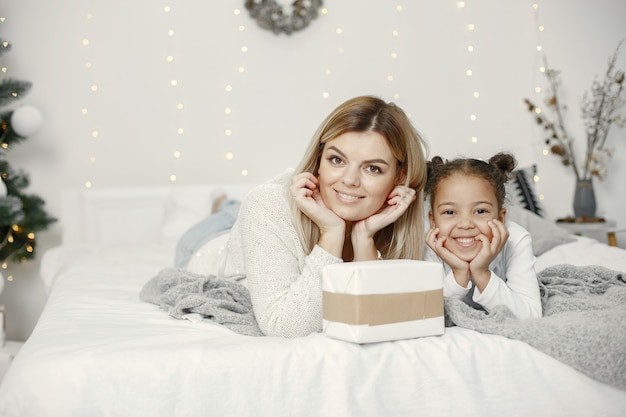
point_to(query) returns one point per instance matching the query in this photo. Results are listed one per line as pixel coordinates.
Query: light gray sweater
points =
(284, 282)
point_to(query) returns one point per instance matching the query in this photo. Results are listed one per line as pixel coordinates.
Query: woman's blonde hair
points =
(403, 239)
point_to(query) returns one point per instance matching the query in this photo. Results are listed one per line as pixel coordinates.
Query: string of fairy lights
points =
(340, 49)
(90, 131)
(229, 136)
(4, 70)
(393, 56)
(470, 50)
(177, 130)
(539, 27)
(229, 115)
(330, 68)
(229, 111)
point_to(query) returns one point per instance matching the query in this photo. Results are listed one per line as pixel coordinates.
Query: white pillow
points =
(544, 233)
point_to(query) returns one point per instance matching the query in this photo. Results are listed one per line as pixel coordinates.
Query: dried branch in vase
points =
(600, 109)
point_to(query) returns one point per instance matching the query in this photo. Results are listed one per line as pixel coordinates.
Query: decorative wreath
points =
(272, 16)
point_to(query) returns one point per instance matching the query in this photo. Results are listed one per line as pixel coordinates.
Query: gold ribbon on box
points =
(377, 309)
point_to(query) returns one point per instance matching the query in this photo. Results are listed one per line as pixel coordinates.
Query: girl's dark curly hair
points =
(497, 171)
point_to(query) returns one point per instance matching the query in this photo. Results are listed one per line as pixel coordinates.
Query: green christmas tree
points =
(21, 214)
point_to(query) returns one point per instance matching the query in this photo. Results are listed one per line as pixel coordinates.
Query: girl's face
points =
(356, 174)
(461, 207)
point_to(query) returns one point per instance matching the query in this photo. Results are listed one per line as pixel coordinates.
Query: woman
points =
(356, 195)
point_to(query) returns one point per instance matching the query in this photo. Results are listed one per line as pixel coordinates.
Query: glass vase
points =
(584, 199)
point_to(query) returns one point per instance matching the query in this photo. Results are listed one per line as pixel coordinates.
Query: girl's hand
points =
(363, 231)
(479, 266)
(460, 268)
(309, 200)
(398, 201)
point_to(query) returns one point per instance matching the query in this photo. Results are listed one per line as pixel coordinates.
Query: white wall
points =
(279, 98)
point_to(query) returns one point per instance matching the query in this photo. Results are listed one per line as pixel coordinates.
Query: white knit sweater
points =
(285, 283)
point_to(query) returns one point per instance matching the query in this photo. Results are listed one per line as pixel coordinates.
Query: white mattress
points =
(98, 351)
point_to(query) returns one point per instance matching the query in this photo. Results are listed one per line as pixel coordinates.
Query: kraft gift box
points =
(376, 301)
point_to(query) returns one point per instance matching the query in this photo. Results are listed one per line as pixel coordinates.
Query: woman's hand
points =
(309, 200)
(363, 231)
(398, 201)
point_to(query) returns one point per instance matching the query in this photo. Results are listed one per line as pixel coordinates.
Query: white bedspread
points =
(98, 351)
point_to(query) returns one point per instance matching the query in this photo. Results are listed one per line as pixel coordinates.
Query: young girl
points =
(487, 262)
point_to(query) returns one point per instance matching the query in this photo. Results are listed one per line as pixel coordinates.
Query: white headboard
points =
(137, 215)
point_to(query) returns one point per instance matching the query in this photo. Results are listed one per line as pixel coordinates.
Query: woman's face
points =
(356, 174)
(461, 208)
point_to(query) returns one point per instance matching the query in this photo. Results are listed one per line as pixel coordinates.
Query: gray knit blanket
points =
(583, 323)
(224, 301)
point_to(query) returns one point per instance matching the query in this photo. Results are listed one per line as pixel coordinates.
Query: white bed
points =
(98, 351)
